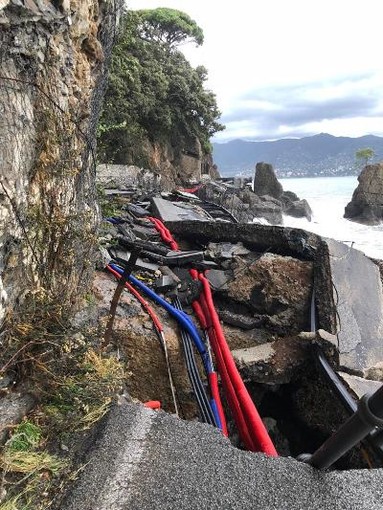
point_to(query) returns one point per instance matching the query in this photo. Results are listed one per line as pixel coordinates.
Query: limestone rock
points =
(13, 408)
(53, 67)
(366, 205)
(127, 176)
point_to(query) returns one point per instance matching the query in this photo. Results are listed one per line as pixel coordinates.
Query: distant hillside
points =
(310, 156)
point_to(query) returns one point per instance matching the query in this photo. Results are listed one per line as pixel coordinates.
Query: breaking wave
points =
(328, 197)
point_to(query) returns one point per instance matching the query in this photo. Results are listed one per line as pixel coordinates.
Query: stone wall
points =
(53, 61)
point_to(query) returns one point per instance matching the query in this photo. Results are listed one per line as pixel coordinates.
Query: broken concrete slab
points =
(358, 296)
(282, 360)
(348, 287)
(169, 211)
(226, 250)
(358, 385)
(143, 460)
(124, 256)
(259, 238)
(219, 279)
(277, 287)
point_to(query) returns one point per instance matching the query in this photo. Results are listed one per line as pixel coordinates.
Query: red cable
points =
(244, 411)
(143, 302)
(255, 424)
(241, 402)
(225, 379)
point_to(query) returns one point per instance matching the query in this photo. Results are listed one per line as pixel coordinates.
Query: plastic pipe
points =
(369, 415)
(256, 426)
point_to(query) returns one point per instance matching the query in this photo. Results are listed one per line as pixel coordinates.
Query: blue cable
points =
(181, 317)
(186, 323)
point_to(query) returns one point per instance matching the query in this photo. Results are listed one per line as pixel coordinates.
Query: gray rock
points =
(298, 209)
(375, 373)
(266, 182)
(242, 203)
(366, 205)
(13, 408)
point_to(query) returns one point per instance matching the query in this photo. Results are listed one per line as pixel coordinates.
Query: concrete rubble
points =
(280, 294)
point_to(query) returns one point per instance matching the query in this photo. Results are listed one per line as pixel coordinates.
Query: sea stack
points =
(266, 182)
(267, 185)
(366, 205)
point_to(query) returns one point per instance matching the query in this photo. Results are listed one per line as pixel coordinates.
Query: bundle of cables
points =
(252, 431)
(189, 333)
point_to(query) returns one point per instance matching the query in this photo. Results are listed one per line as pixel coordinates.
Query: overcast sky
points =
(290, 68)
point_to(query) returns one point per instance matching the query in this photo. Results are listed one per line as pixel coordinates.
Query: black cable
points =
(207, 415)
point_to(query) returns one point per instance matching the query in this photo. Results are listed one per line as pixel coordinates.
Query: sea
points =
(328, 196)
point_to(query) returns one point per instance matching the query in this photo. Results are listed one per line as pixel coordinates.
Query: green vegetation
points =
(75, 384)
(363, 156)
(154, 94)
(25, 437)
(168, 26)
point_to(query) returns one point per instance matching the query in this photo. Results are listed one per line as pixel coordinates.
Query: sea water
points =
(328, 196)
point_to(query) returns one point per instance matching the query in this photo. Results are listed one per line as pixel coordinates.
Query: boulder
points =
(267, 185)
(298, 209)
(266, 182)
(366, 205)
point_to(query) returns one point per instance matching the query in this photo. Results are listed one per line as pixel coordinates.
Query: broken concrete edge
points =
(262, 238)
(143, 459)
(348, 289)
(285, 359)
(358, 296)
(279, 240)
(358, 385)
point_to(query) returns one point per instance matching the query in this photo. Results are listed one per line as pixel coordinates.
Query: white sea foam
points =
(328, 197)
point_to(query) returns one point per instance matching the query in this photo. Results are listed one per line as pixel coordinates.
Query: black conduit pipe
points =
(368, 415)
(366, 418)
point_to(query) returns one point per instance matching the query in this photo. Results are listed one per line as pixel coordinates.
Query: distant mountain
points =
(321, 154)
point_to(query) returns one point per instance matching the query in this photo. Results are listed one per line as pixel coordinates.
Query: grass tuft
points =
(30, 462)
(26, 436)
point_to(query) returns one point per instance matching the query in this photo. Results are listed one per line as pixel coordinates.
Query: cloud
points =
(289, 110)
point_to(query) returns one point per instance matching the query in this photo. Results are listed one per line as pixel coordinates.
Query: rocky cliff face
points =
(177, 166)
(366, 205)
(53, 58)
